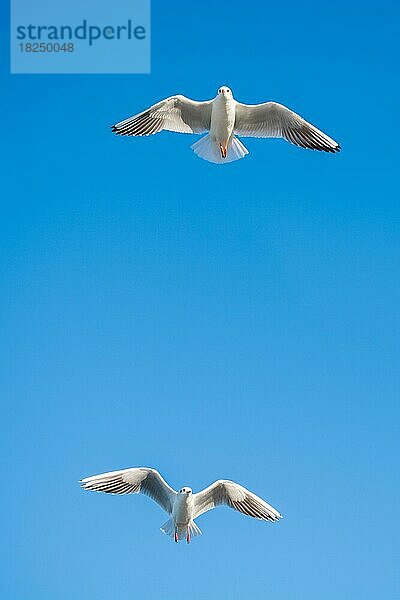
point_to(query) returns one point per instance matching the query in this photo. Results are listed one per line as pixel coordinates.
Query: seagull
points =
(224, 118)
(183, 506)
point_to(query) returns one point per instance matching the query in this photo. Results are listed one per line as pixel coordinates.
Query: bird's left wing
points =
(271, 119)
(235, 496)
(176, 113)
(133, 481)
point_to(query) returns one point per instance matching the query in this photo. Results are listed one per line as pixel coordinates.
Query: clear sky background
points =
(238, 321)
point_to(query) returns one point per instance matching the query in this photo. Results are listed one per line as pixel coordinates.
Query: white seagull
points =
(183, 506)
(224, 119)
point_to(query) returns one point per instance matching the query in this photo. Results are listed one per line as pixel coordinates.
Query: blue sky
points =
(238, 322)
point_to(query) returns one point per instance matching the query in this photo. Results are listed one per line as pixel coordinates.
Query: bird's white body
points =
(183, 507)
(221, 145)
(181, 524)
(224, 119)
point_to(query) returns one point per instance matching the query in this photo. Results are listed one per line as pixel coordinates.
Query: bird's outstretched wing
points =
(235, 496)
(133, 481)
(176, 113)
(275, 120)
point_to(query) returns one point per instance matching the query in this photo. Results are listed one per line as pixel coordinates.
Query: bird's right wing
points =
(133, 481)
(177, 113)
(235, 496)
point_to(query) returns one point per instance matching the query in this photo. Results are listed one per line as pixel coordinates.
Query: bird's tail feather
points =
(169, 529)
(208, 149)
(194, 530)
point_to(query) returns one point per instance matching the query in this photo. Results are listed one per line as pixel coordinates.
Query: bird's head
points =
(185, 490)
(225, 92)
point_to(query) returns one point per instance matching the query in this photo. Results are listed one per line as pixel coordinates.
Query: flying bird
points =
(183, 506)
(224, 119)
